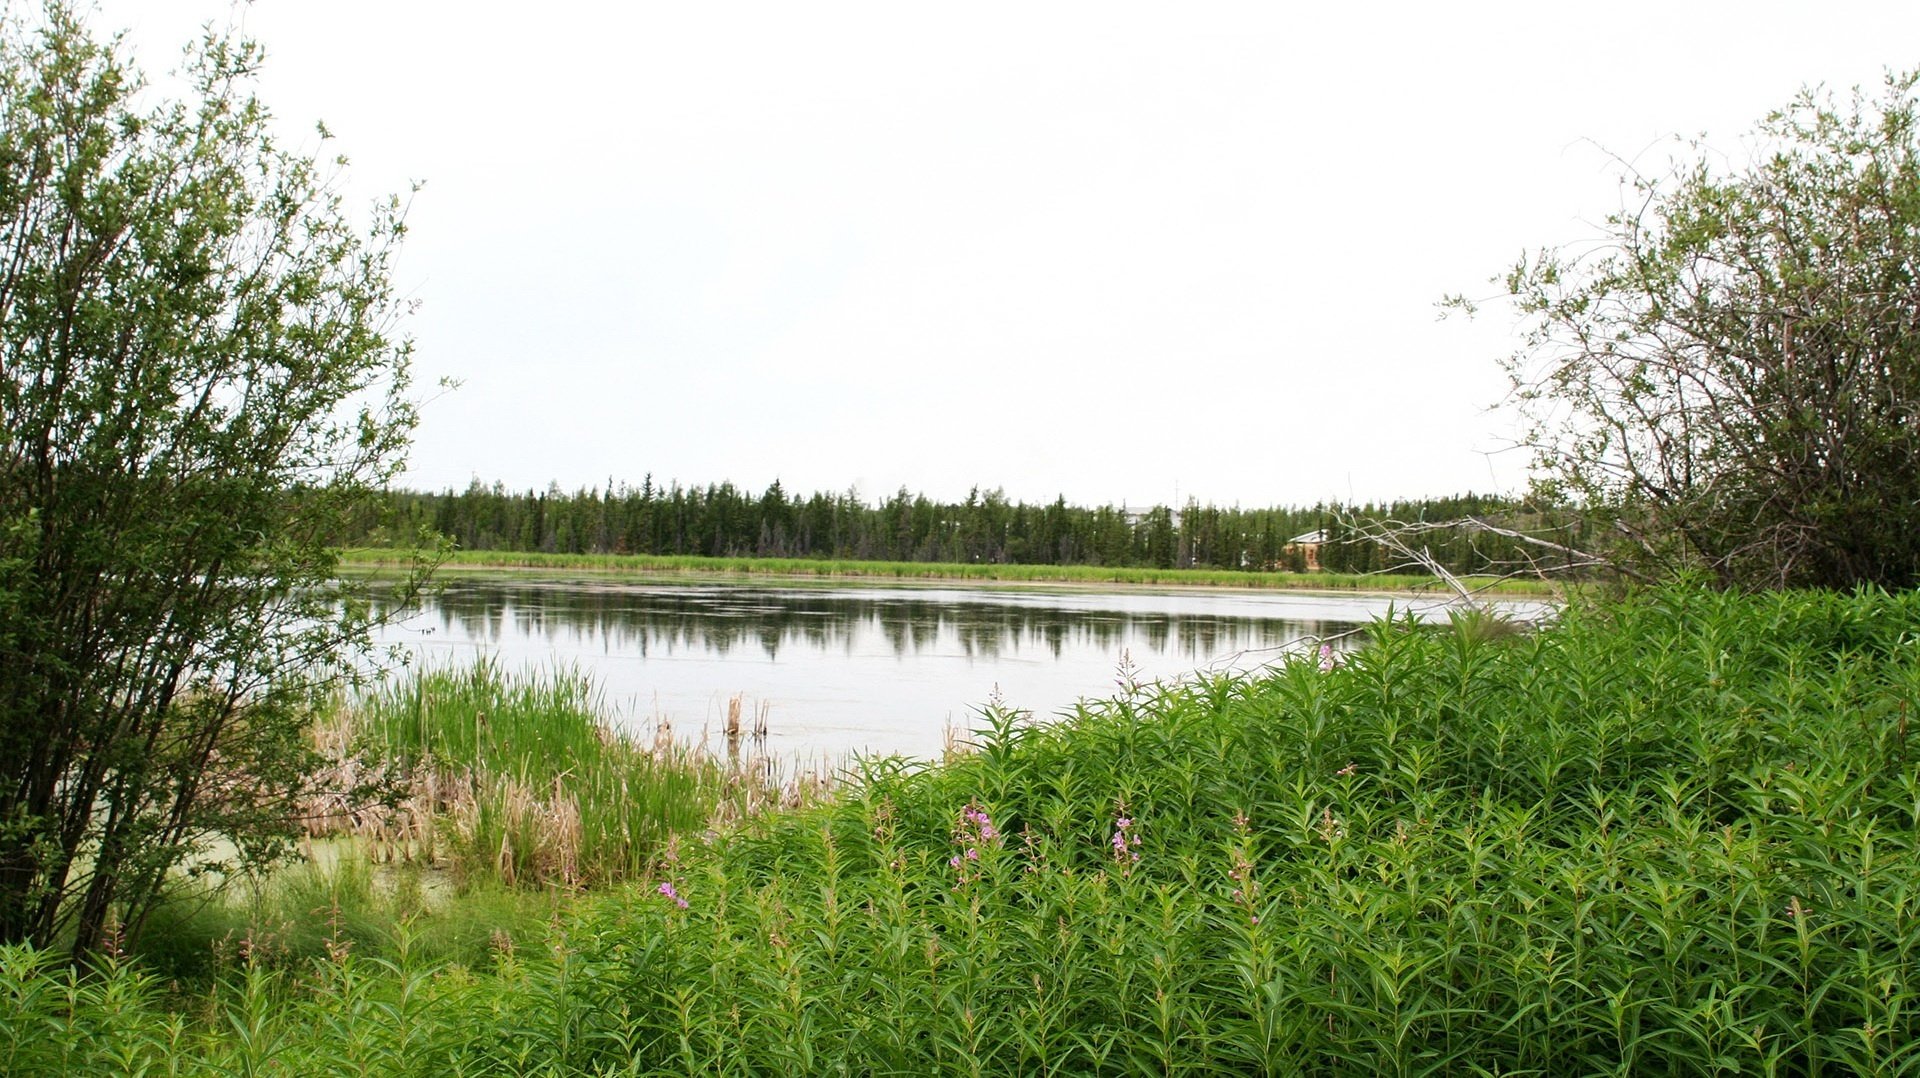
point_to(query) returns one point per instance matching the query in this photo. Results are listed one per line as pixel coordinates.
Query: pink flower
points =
(1124, 844)
(1326, 658)
(972, 833)
(666, 889)
(982, 823)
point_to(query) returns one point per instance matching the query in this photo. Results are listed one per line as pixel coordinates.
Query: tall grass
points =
(1672, 835)
(498, 788)
(524, 781)
(932, 571)
(342, 902)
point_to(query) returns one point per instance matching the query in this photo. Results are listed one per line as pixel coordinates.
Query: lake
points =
(863, 669)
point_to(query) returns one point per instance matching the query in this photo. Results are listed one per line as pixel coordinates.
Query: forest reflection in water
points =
(859, 669)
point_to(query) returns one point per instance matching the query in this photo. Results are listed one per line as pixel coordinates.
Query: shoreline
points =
(1072, 577)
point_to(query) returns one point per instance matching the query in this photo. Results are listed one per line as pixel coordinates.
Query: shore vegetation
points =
(1673, 833)
(1727, 372)
(811, 568)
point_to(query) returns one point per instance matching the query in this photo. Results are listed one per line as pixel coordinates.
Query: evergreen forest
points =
(722, 520)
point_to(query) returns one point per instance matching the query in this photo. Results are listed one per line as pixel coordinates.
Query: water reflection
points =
(720, 621)
(850, 669)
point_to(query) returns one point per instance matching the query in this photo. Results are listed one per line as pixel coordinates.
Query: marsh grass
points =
(661, 564)
(1674, 834)
(518, 779)
(302, 914)
(504, 794)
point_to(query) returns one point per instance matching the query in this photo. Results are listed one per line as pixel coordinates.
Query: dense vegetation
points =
(721, 520)
(516, 779)
(1676, 834)
(1728, 371)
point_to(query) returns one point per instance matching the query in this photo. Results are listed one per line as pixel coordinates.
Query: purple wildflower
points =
(973, 832)
(666, 888)
(982, 823)
(1125, 845)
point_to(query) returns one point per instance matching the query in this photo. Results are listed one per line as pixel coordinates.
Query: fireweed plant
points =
(1670, 834)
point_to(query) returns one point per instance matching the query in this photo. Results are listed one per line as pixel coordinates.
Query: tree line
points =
(724, 520)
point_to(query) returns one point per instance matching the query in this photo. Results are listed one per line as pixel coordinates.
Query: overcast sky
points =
(1124, 253)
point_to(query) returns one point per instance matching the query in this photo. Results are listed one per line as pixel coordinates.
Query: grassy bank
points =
(466, 803)
(517, 778)
(1676, 835)
(659, 565)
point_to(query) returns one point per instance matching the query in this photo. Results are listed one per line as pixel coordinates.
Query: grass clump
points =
(504, 794)
(519, 779)
(1674, 834)
(306, 913)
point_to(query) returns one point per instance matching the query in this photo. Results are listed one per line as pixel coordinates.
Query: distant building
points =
(1309, 547)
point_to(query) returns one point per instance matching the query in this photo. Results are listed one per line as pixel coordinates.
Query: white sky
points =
(1120, 252)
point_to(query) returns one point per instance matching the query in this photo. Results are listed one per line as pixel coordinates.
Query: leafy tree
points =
(1731, 369)
(201, 378)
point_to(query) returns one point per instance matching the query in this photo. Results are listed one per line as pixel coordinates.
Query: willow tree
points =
(1730, 370)
(201, 375)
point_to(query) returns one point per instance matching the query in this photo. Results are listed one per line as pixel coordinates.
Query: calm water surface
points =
(853, 669)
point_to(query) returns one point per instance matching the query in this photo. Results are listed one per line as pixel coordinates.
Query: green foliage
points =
(315, 910)
(1731, 369)
(1672, 835)
(197, 379)
(55, 1021)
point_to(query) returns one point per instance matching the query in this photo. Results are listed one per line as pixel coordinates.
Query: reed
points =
(523, 781)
